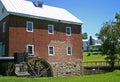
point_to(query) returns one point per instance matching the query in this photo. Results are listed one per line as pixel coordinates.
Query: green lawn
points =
(95, 56)
(107, 77)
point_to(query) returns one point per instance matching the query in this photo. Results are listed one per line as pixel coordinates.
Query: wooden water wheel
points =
(33, 66)
(39, 67)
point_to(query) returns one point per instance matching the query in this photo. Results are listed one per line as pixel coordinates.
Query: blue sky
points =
(92, 12)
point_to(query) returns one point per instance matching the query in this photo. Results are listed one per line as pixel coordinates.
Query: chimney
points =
(90, 41)
(38, 4)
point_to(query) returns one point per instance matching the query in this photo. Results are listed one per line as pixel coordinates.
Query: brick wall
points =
(19, 38)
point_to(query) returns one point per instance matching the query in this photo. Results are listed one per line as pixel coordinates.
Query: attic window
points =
(3, 9)
(38, 4)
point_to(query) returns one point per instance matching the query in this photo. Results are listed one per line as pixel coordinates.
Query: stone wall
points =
(67, 68)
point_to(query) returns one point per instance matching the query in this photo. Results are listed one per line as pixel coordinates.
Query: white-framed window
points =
(30, 49)
(68, 31)
(4, 27)
(50, 29)
(69, 50)
(51, 50)
(29, 26)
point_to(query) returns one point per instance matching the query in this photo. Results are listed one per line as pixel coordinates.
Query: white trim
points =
(69, 32)
(70, 50)
(27, 22)
(50, 25)
(32, 49)
(49, 51)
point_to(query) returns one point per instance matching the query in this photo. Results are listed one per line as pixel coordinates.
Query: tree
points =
(117, 16)
(85, 36)
(110, 36)
(97, 35)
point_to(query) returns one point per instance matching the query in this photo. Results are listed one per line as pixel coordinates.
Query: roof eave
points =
(45, 18)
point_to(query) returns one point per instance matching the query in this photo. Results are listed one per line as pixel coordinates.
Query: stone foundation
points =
(66, 68)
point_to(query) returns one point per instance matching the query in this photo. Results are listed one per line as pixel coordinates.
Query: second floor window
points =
(50, 29)
(4, 27)
(68, 31)
(29, 26)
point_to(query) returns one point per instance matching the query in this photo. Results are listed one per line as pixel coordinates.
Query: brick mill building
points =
(51, 33)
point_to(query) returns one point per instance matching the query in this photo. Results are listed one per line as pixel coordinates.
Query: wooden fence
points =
(96, 67)
(99, 63)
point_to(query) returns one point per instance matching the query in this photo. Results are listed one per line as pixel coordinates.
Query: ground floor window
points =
(51, 50)
(69, 50)
(2, 49)
(30, 49)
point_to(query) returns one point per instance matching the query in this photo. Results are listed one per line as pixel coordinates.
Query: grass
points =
(107, 77)
(95, 56)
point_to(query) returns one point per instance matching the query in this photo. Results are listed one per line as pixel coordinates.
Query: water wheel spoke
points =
(31, 69)
(10, 68)
(39, 67)
(44, 70)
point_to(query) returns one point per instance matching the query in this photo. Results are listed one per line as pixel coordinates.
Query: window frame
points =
(3, 51)
(49, 51)
(50, 25)
(68, 34)
(4, 27)
(69, 50)
(3, 10)
(32, 49)
(27, 28)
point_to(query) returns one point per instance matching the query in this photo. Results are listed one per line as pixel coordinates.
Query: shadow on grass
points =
(97, 53)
